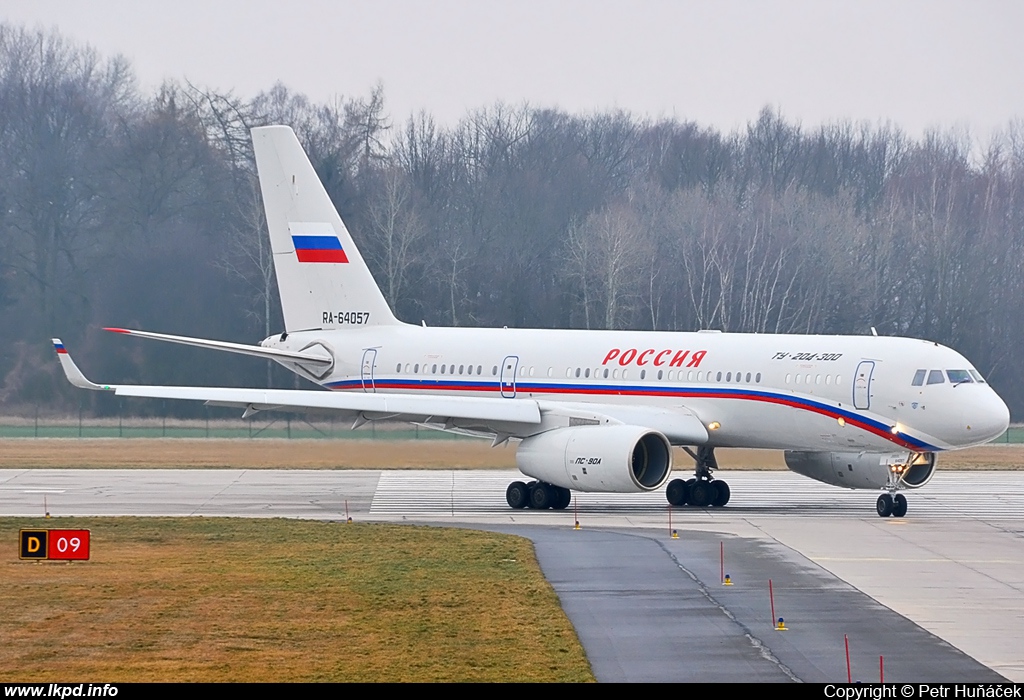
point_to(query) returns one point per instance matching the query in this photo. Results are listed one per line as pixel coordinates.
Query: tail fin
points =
(322, 278)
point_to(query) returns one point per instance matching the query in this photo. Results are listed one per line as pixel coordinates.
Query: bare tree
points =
(395, 229)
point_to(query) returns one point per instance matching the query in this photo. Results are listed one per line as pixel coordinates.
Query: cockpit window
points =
(976, 375)
(959, 376)
(935, 377)
(919, 377)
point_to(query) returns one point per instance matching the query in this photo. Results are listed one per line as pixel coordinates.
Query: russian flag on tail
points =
(319, 249)
(59, 347)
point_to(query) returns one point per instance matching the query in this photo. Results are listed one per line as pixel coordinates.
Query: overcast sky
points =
(919, 64)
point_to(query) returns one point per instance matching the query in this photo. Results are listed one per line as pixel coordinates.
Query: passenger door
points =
(509, 367)
(862, 385)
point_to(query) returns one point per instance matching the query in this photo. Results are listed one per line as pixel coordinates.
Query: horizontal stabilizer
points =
(319, 359)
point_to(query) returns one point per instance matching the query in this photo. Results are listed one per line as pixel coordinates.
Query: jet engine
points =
(609, 458)
(864, 470)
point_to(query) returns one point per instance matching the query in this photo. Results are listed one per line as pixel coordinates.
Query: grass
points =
(113, 453)
(208, 599)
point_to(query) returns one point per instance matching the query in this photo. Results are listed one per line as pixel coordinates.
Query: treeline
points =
(124, 208)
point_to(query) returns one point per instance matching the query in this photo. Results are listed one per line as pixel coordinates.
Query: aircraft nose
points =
(991, 418)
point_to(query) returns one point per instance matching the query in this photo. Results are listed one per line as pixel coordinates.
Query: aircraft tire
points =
(676, 492)
(541, 496)
(899, 506)
(884, 505)
(722, 494)
(517, 494)
(701, 494)
(563, 497)
(689, 491)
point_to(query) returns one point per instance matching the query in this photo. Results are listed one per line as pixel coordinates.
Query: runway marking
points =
(992, 495)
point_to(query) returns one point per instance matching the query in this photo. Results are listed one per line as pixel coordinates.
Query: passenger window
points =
(442, 369)
(758, 378)
(494, 370)
(719, 377)
(728, 377)
(748, 377)
(643, 374)
(659, 374)
(416, 368)
(606, 373)
(462, 368)
(587, 373)
(700, 376)
(918, 377)
(615, 374)
(577, 372)
(398, 369)
(434, 370)
(935, 377)
(689, 376)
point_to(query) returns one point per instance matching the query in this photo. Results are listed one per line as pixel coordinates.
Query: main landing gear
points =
(537, 495)
(703, 490)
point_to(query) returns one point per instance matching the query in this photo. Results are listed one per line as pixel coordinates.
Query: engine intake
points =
(609, 458)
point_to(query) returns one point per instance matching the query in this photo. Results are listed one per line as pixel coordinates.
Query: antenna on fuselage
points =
(873, 331)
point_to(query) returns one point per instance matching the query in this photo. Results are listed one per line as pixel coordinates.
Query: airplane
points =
(591, 410)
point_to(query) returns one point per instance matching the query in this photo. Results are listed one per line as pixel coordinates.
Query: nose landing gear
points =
(892, 503)
(887, 505)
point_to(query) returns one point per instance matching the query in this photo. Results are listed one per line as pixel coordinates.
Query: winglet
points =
(71, 370)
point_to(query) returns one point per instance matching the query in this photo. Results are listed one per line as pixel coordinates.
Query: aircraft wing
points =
(404, 407)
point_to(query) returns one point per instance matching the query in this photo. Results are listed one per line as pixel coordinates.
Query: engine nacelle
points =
(609, 458)
(857, 470)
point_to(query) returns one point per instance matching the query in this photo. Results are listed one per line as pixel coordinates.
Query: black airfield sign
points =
(33, 544)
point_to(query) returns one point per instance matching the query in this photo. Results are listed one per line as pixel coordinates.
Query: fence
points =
(261, 425)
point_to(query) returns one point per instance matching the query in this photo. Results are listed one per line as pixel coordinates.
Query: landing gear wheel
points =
(722, 494)
(701, 494)
(899, 506)
(884, 505)
(676, 492)
(517, 494)
(541, 496)
(563, 497)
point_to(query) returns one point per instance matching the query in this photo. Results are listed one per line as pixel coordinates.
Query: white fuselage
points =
(796, 392)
